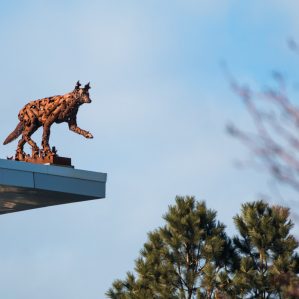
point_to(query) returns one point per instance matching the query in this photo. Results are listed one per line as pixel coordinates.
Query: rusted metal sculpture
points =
(43, 113)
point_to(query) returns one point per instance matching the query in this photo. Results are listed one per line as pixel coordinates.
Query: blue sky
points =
(159, 110)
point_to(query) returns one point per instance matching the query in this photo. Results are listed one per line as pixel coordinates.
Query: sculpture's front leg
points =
(73, 127)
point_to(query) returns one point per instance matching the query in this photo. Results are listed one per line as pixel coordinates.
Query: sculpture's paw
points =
(35, 153)
(89, 136)
(20, 155)
(46, 152)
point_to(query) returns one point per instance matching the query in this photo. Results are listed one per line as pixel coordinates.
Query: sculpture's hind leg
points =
(28, 131)
(27, 137)
(20, 155)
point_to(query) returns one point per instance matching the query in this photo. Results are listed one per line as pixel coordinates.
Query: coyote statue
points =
(45, 112)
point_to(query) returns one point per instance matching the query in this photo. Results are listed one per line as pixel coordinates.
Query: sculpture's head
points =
(82, 94)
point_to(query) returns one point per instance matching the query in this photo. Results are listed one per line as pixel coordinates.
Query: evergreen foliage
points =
(191, 257)
(267, 250)
(187, 258)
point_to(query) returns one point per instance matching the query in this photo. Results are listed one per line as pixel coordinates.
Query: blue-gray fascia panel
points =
(26, 186)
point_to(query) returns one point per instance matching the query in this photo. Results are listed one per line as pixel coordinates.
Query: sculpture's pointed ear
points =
(78, 84)
(87, 86)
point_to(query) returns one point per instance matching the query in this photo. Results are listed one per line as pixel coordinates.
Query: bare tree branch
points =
(274, 140)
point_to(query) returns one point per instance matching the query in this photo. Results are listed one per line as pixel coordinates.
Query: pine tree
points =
(267, 251)
(190, 257)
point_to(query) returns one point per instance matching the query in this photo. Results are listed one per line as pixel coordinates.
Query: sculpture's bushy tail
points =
(15, 134)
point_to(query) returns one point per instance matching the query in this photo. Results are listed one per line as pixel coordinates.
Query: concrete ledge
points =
(26, 186)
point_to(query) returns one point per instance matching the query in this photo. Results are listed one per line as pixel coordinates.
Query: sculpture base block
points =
(52, 160)
(25, 186)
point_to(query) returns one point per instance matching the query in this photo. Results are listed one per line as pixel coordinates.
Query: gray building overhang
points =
(25, 186)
